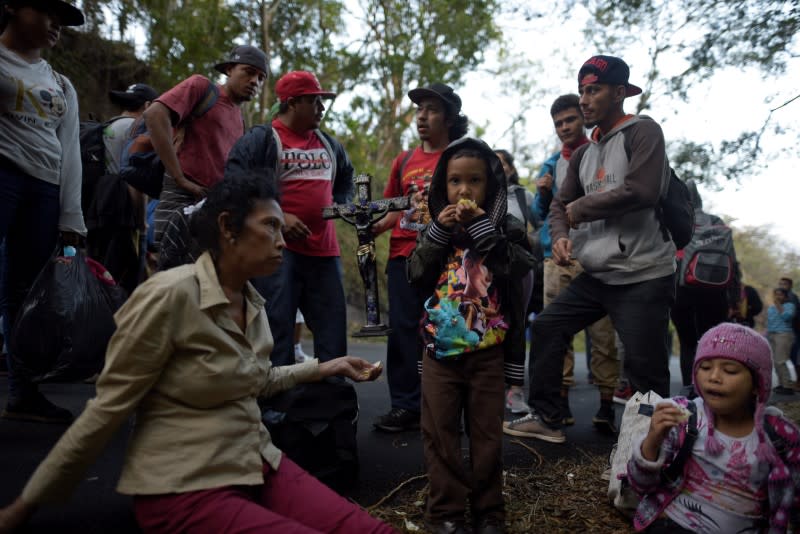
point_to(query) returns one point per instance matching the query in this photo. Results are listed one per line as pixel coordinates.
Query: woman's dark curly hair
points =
(236, 194)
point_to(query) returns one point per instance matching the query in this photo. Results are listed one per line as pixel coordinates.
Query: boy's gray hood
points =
(496, 203)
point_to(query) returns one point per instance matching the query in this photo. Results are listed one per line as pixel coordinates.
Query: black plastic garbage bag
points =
(66, 321)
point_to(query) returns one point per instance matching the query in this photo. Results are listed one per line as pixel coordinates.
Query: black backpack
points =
(674, 210)
(315, 425)
(93, 157)
(140, 165)
(676, 213)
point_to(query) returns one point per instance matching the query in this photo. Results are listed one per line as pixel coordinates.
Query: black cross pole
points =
(362, 213)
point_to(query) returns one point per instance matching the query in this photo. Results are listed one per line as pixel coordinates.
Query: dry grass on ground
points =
(566, 495)
(550, 497)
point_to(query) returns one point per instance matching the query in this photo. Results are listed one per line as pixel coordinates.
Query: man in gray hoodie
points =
(605, 217)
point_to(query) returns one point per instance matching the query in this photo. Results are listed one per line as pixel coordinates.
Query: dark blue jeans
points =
(314, 284)
(640, 313)
(404, 344)
(29, 212)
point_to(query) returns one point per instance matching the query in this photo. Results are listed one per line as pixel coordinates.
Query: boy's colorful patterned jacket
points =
(497, 238)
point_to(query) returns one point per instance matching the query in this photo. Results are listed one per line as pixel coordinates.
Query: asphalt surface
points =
(386, 459)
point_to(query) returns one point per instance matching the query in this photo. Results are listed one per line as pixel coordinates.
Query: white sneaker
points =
(300, 356)
(515, 402)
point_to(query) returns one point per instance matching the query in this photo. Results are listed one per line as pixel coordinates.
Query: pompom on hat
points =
(742, 344)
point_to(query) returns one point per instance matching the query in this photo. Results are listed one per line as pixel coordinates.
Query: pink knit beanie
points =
(746, 346)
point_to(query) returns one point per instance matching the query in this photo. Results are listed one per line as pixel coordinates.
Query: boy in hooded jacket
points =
(466, 263)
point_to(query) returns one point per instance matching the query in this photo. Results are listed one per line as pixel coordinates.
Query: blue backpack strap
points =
(675, 470)
(207, 102)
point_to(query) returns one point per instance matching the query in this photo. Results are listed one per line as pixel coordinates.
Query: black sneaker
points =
(604, 420)
(398, 420)
(38, 409)
(781, 390)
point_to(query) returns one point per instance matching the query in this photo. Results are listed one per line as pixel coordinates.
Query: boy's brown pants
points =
(474, 385)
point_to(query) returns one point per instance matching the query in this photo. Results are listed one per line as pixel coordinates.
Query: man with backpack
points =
(439, 121)
(606, 217)
(313, 171)
(209, 120)
(708, 288)
(113, 210)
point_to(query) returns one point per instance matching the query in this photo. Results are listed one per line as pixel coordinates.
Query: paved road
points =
(386, 459)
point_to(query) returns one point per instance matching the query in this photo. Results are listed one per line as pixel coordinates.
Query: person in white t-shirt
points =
(40, 171)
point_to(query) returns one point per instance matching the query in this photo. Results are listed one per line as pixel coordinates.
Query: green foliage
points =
(408, 44)
(186, 37)
(300, 35)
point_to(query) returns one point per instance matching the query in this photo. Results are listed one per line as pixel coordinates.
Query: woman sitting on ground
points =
(190, 357)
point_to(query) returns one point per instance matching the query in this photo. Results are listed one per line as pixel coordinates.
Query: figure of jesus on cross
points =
(362, 213)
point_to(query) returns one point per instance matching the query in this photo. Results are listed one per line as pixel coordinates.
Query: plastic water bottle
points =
(69, 251)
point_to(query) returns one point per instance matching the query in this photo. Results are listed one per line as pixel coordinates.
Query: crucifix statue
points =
(362, 213)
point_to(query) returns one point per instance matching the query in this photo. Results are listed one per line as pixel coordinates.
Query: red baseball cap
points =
(300, 83)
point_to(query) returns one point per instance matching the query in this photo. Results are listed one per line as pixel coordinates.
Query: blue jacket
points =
(780, 322)
(541, 204)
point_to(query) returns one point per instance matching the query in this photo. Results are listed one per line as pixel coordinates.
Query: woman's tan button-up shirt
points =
(180, 362)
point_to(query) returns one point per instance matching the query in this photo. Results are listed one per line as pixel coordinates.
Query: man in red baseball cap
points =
(313, 171)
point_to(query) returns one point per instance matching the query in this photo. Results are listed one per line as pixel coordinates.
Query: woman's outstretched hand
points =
(15, 515)
(356, 369)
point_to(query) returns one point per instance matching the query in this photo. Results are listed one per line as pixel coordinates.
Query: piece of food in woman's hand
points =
(366, 372)
(468, 202)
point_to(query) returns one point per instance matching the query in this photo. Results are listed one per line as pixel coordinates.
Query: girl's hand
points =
(447, 217)
(666, 416)
(356, 369)
(15, 515)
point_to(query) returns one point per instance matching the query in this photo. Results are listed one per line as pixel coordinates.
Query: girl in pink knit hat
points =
(743, 471)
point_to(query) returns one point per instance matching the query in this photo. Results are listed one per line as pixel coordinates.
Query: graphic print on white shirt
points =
(302, 164)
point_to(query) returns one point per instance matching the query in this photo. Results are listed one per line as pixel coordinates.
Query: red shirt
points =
(418, 170)
(306, 184)
(210, 137)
